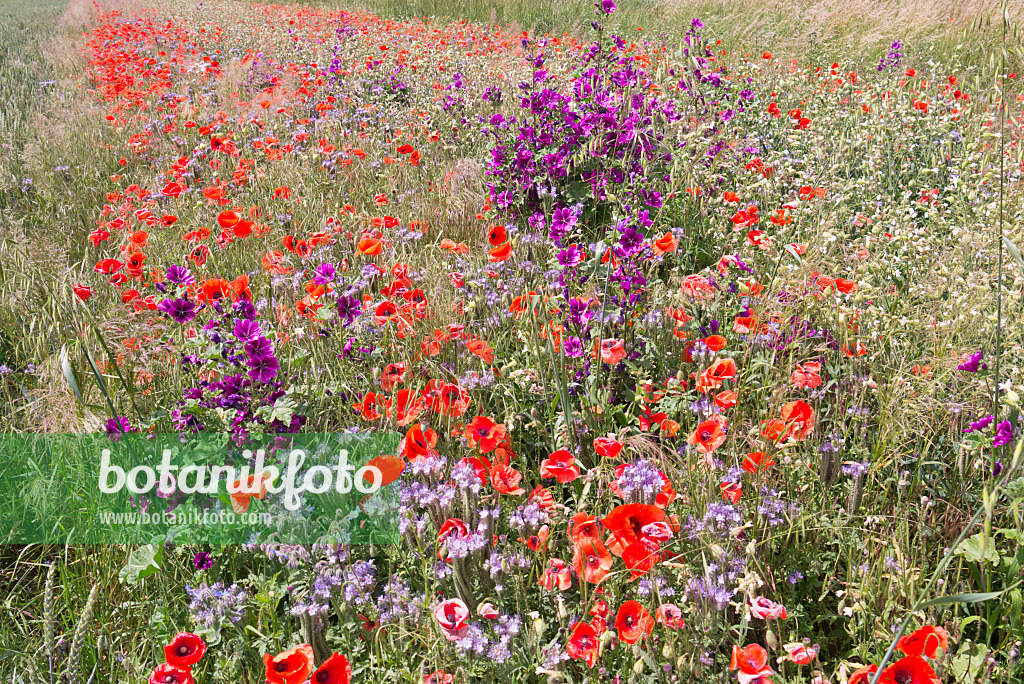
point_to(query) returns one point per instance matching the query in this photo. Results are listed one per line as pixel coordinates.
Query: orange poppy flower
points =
(390, 468)
(290, 667)
(665, 244)
(241, 493)
(715, 342)
(505, 479)
(370, 246)
(721, 369)
(500, 253)
(227, 219)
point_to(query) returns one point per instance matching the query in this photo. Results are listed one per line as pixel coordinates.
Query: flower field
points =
(695, 363)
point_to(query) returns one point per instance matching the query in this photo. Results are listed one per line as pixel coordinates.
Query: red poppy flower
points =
(484, 432)
(82, 292)
(752, 663)
(910, 670)
(633, 622)
(731, 491)
(560, 465)
(720, 370)
(626, 524)
(799, 417)
(368, 407)
(334, 670)
(497, 235)
(585, 526)
(541, 496)
(806, 376)
(419, 443)
(925, 641)
(726, 400)
(709, 435)
(213, 289)
(756, 460)
(505, 479)
(766, 609)
(451, 617)
(165, 673)
(583, 643)
(557, 576)
(537, 542)
(612, 351)
(609, 448)
(242, 492)
(290, 667)
(439, 677)
(185, 650)
(172, 189)
(591, 560)
(863, 675)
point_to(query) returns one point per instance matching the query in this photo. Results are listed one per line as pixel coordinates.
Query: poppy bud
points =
(442, 553)
(638, 666)
(539, 626)
(770, 640)
(563, 612)
(667, 651)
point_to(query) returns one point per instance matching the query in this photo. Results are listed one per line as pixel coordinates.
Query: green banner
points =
(211, 488)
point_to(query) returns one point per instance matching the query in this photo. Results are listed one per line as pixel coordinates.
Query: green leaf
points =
(978, 548)
(143, 562)
(1014, 252)
(69, 374)
(964, 598)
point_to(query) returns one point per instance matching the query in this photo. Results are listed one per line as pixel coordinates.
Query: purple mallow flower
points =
(181, 310)
(1004, 434)
(979, 425)
(179, 275)
(973, 363)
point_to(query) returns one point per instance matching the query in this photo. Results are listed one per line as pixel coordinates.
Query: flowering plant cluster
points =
(664, 382)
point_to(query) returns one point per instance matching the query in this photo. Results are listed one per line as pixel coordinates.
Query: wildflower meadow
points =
(534, 341)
